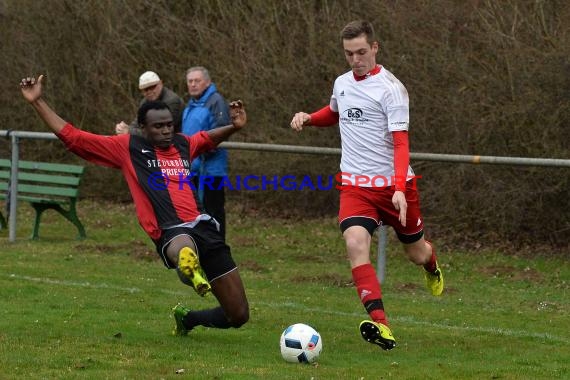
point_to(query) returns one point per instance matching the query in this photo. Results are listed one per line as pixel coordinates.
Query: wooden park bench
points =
(45, 186)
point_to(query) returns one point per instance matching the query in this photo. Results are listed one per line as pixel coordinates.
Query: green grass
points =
(100, 308)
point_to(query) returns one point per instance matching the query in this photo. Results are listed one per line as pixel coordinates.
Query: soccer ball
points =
(300, 343)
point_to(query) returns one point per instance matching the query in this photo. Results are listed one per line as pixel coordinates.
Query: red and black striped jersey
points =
(159, 179)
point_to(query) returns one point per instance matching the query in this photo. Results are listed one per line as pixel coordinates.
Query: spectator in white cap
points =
(152, 90)
(149, 80)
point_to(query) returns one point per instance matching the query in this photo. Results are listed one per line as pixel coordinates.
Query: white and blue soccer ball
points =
(300, 343)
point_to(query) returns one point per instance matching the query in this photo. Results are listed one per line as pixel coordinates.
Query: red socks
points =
(368, 289)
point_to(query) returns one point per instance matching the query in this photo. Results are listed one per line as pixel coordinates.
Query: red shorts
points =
(376, 204)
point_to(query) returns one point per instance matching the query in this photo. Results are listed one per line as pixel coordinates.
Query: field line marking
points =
(289, 305)
(413, 321)
(85, 284)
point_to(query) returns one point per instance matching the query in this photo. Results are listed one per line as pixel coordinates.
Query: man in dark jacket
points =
(152, 89)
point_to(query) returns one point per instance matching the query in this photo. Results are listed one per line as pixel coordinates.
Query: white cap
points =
(148, 79)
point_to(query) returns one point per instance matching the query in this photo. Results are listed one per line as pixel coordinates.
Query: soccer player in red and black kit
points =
(156, 167)
(371, 107)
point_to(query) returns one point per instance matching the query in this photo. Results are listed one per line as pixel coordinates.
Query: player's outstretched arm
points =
(239, 119)
(300, 120)
(32, 92)
(237, 114)
(325, 117)
(121, 128)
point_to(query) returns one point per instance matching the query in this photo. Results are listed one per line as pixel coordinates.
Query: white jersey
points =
(369, 110)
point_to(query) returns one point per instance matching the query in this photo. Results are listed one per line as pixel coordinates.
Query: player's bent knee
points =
(240, 317)
(417, 254)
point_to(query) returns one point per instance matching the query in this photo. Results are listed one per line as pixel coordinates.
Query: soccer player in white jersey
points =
(371, 107)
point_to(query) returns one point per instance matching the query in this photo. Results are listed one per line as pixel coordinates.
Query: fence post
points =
(13, 199)
(381, 260)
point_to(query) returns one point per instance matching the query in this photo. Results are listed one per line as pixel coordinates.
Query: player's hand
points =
(399, 202)
(122, 128)
(237, 114)
(299, 120)
(31, 88)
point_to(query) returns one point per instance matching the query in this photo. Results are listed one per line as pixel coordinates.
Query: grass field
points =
(100, 308)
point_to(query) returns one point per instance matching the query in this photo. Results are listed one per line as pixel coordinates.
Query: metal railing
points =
(14, 136)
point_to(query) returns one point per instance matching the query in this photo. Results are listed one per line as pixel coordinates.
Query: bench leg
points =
(39, 208)
(69, 215)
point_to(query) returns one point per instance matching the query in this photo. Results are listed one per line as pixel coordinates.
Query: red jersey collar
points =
(374, 71)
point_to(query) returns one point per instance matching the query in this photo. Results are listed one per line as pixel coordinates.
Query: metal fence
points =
(15, 136)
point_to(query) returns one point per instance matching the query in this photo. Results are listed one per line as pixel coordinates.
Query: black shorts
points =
(215, 255)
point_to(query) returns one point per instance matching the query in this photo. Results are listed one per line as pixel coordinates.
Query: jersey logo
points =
(342, 93)
(353, 113)
(145, 151)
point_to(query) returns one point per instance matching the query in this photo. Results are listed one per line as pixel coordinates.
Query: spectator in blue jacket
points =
(206, 110)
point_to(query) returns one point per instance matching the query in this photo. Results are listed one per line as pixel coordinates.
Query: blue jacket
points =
(208, 112)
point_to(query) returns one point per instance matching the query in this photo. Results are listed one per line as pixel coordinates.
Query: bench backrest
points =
(42, 179)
